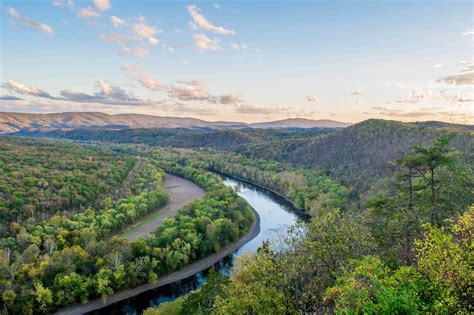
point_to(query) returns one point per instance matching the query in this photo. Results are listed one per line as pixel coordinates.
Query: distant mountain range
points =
(16, 122)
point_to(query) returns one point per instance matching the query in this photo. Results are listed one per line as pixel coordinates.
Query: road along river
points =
(276, 215)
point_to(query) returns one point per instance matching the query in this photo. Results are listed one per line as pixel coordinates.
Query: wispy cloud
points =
(238, 46)
(102, 5)
(116, 21)
(200, 22)
(129, 68)
(113, 38)
(106, 94)
(151, 84)
(203, 42)
(87, 13)
(63, 3)
(190, 91)
(463, 78)
(135, 52)
(10, 98)
(468, 32)
(144, 30)
(25, 90)
(24, 21)
(229, 99)
(312, 99)
(444, 95)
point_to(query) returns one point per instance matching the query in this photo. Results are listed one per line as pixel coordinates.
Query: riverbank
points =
(182, 274)
(180, 193)
(276, 193)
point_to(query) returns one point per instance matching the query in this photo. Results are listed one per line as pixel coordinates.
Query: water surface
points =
(276, 216)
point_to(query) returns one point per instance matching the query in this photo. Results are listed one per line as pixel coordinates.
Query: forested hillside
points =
(408, 251)
(359, 155)
(182, 138)
(40, 179)
(72, 254)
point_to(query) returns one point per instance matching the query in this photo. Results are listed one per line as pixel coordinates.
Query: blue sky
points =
(240, 60)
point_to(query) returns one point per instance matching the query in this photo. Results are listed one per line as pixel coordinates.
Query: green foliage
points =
(72, 258)
(307, 189)
(255, 288)
(370, 287)
(40, 179)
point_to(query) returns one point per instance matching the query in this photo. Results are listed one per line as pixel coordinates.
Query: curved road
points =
(180, 192)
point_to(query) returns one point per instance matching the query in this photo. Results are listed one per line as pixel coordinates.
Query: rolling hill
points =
(16, 122)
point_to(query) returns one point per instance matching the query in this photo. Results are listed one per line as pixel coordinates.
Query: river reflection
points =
(276, 216)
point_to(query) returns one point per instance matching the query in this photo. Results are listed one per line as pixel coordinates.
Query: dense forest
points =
(40, 179)
(408, 251)
(360, 155)
(390, 231)
(74, 255)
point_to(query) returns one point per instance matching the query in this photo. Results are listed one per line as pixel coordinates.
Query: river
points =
(276, 216)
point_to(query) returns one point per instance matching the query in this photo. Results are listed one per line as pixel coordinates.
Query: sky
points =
(240, 60)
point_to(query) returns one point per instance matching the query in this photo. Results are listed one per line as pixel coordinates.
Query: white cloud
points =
(102, 5)
(153, 41)
(144, 30)
(87, 13)
(135, 52)
(216, 6)
(116, 21)
(112, 38)
(62, 3)
(129, 68)
(312, 99)
(25, 90)
(190, 91)
(438, 65)
(238, 46)
(203, 42)
(200, 22)
(107, 94)
(29, 23)
(150, 83)
(468, 32)
(443, 95)
(463, 78)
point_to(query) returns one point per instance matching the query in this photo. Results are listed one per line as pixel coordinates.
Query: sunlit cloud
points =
(463, 78)
(116, 21)
(190, 91)
(25, 90)
(87, 13)
(102, 5)
(151, 84)
(24, 21)
(200, 22)
(112, 38)
(135, 52)
(142, 29)
(203, 42)
(129, 68)
(153, 41)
